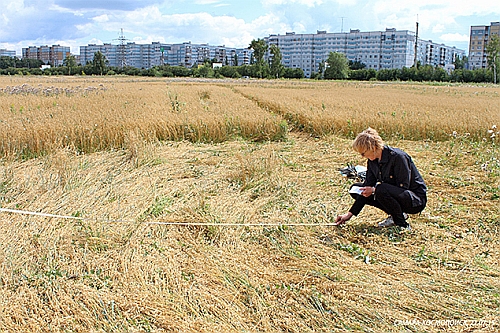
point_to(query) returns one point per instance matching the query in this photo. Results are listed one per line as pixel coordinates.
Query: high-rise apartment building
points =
(7, 53)
(155, 54)
(108, 50)
(53, 55)
(479, 37)
(387, 49)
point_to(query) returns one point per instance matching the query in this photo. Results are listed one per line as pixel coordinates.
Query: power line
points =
(416, 46)
(122, 59)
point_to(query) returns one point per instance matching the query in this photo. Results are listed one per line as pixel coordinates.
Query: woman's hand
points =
(341, 219)
(367, 191)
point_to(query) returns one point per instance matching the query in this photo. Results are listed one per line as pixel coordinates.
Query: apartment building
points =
(479, 37)
(387, 49)
(107, 49)
(155, 54)
(53, 55)
(437, 55)
(7, 53)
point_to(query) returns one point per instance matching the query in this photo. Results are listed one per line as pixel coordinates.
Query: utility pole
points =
(495, 69)
(415, 62)
(122, 59)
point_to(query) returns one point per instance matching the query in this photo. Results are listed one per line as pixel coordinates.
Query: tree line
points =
(100, 66)
(336, 67)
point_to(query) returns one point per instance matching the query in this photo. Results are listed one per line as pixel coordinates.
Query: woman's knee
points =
(382, 189)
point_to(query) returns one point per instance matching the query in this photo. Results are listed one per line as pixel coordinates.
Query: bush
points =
(229, 71)
(362, 74)
(293, 73)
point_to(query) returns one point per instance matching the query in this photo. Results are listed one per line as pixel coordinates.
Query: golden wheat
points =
(402, 110)
(37, 118)
(94, 114)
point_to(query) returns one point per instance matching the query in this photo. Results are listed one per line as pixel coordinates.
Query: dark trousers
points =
(392, 200)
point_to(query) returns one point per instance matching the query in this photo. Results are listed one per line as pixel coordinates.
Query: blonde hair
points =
(369, 139)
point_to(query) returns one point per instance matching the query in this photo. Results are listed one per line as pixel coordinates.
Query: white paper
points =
(360, 168)
(356, 189)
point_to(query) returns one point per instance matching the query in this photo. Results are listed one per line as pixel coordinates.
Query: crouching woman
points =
(393, 183)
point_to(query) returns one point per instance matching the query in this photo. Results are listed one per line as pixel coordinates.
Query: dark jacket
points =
(395, 168)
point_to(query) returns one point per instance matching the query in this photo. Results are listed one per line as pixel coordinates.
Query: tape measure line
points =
(24, 212)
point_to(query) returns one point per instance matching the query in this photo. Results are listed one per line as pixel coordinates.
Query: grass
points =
(115, 272)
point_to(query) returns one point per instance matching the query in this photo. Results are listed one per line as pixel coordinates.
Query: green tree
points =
(99, 63)
(337, 66)
(362, 74)
(277, 68)
(245, 70)
(230, 71)
(385, 74)
(440, 75)
(354, 65)
(204, 71)
(492, 54)
(467, 75)
(259, 48)
(425, 73)
(181, 71)
(482, 75)
(293, 73)
(321, 70)
(27, 63)
(70, 63)
(460, 62)
(6, 62)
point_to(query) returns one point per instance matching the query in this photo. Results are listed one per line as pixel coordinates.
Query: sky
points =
(231, 23)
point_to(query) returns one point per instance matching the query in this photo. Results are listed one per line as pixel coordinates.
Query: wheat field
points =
(248, 170)
(88, 115)
(415, 112)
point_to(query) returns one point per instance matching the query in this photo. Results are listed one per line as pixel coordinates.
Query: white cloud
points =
(438, 28)
(101, 18)
(207, 2)
(95, 41)
(150, 24)
(299, 27)
(432, 12)
(122, 5)
(308, 3)
(455, 37)
(4, 19)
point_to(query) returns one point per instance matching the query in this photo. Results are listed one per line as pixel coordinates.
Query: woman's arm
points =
(402, 170)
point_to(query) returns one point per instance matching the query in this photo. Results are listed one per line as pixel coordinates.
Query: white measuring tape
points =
(24, 212)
